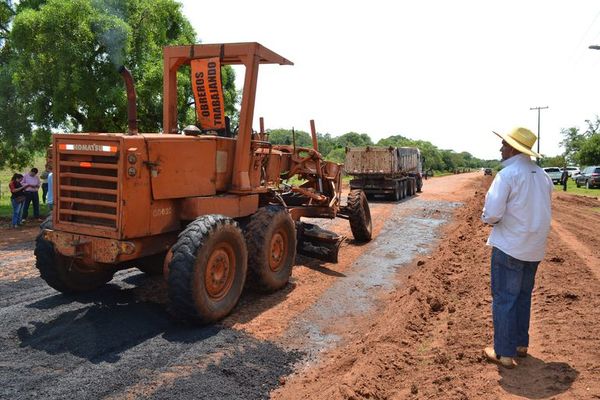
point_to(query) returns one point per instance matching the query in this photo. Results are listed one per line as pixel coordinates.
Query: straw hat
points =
(521, 139)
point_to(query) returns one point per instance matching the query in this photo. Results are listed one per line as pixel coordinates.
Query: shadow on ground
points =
(111, 322)
(537, 379)
(101, 325)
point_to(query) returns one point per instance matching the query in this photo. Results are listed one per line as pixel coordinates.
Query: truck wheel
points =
(66, 274)
(208, 269)
(360, 216)
(398, 191)
(419, 184)
(271, 239)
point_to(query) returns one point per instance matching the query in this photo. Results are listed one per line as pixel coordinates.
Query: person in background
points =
(17, 198)
(44, 180)
(32, 181)
(564, 178)
(518, 206)
(50, 196)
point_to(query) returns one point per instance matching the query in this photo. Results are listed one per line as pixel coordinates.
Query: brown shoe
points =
(521, 351)
(490, 354)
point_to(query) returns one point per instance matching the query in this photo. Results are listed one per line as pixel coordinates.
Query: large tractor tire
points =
(67, 274)
(208, 269)
(359, 215)
(271, 239)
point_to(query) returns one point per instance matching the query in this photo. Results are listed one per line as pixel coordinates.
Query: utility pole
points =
(538, 133)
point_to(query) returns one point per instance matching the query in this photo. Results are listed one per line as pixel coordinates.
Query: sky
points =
(449, 72)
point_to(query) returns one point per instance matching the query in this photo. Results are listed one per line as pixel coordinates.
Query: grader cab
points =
(206, 205)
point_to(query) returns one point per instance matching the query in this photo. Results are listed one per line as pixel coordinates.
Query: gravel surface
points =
(109, 343)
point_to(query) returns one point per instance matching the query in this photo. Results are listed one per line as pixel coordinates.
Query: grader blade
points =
(319, 243)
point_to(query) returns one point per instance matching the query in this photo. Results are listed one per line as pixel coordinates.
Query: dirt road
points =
(426, 340)
(403, 316)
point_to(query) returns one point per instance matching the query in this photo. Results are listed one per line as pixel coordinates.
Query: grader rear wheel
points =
(67, 274)
(208, 269)
(271, 238)
(359, 215)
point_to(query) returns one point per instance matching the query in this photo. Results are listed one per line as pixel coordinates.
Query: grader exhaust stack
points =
(131, 101)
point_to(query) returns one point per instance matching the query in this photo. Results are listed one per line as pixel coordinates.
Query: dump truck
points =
(395, 172)
(208, 206)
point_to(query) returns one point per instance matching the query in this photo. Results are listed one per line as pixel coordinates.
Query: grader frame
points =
(205, 209)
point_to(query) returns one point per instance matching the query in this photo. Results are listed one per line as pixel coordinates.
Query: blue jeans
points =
(17, 211)
(31, 197)
(512, 285)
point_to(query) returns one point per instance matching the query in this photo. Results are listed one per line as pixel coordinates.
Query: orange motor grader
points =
(206, 207)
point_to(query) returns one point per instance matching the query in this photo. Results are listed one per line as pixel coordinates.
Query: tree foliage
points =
(333, 148)
(582, 148)
(59, 68)
(556, 161)
(286, 136)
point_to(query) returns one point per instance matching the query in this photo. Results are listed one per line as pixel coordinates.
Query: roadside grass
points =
(582, 191)
(5, 175)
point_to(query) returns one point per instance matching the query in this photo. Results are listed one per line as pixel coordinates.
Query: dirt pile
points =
(427, 340)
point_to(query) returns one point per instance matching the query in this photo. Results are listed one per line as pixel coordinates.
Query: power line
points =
(538, 132)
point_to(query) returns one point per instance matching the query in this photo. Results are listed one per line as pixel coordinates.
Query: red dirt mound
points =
(427, 340)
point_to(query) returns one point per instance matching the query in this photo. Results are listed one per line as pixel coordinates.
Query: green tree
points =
(589, 154)
(353, 139)
(556, 161)
(284, 136)
(572, 142)
(337, 155)
(396, 140)
(431, 155)
(59, 61)
(326, 143)
(67, 54)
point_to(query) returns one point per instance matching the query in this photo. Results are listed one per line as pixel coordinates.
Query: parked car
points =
(572, 171)
(487, 171)
(589, 177)
(555, 174)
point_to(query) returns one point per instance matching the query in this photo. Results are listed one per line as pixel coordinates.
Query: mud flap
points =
(316, 242)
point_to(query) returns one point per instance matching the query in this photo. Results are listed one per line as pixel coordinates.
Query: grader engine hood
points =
(182, 168)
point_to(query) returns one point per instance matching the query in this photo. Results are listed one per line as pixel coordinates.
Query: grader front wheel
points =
(67, 274)
(359, 215)
(208, 269)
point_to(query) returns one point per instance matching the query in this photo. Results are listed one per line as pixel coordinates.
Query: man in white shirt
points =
(518, 206)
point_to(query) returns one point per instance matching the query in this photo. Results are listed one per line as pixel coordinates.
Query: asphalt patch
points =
(109, 344)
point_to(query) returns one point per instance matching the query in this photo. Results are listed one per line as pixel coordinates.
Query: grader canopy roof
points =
(230, 53)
